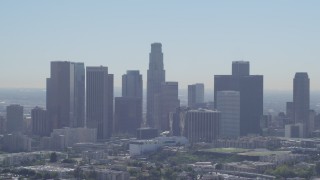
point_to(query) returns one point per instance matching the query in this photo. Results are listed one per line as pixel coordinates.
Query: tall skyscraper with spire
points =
(156, 76)
(301, 99)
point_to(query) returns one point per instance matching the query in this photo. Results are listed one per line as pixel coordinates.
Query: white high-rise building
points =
(201, 125)
(228, 103)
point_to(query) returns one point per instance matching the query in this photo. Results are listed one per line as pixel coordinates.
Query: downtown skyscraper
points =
(66, 94)
(132, 84)
(250, 88)
(195, 94)
(301, 99)
(155, 77)
(100, 101)
(40, 123)
(228, 103)
(240, 68)
(168, 101)
(128, 108)
(14, 118)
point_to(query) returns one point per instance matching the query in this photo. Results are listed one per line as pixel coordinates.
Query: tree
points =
(170, 174)
(304, 172)
(92, 175)
(69, 161)
(78, 173)
(53, 157)
(284, 171)
(6, 170)
(218, 166)
(46, 175)
(155, 174)
(38, 176)
(26, 172)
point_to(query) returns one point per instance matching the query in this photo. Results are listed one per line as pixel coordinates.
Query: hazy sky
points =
(199, 38)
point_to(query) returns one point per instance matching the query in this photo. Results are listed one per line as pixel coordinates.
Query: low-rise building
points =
(102, 173)
(17, 159)
(147, 133)
(67, 137)
(248, 166)
(16, 142)
(90, 156)
(139, 147)
(249, 142)
(200, 125)
(284, 158)
(81, 147)
(61, 172)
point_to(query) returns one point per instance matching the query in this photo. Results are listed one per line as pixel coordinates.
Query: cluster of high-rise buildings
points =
(238, 107)
(83, 97)
(79, 97)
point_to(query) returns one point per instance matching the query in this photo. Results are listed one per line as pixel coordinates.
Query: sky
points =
(200, 39)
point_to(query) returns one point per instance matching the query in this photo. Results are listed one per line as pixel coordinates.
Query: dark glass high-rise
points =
(301, 99)
(251, 95)
(100, 101)
(66, 94)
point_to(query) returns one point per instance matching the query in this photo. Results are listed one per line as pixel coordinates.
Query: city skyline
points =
(278, 38)
(165, 89)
